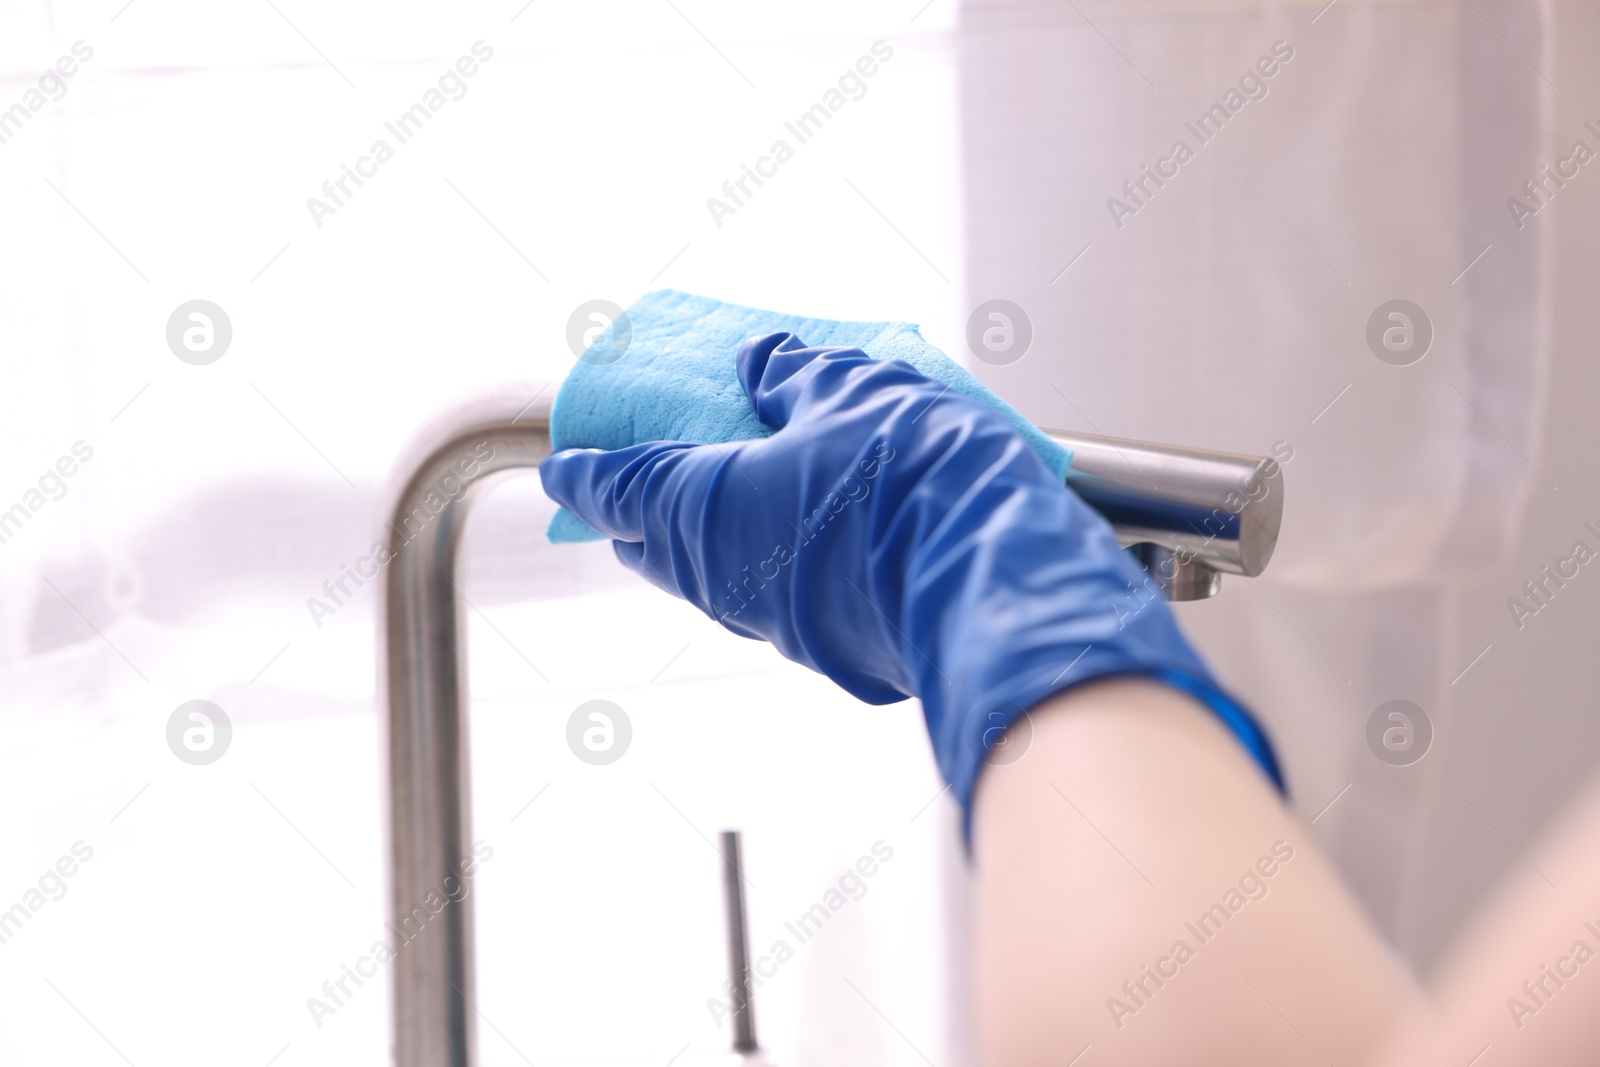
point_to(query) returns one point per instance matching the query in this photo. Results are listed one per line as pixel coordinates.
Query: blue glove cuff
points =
(1236, 717)
(983, 734)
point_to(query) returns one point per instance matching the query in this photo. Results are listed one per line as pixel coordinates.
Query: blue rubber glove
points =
(898, 538)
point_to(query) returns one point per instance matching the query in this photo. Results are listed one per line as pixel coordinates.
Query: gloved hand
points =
(898, 538)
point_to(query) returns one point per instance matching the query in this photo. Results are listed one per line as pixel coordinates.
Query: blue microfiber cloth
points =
(676, 381)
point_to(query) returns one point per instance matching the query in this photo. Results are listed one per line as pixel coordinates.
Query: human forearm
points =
(1106, 846)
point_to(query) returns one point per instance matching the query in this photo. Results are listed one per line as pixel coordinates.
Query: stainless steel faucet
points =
(1191, 515)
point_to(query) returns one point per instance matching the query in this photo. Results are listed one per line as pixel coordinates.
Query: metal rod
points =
(424, 681)
(1176, 498)
(744, 1017)
(1211, 510)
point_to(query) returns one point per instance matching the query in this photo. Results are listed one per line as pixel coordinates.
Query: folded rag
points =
(676, 381)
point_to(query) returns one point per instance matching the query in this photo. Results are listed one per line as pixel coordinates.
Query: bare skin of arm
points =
(1519, 988)
(1125, 907)
(1123, 902)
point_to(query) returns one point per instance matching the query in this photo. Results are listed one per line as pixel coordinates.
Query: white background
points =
(178, 564)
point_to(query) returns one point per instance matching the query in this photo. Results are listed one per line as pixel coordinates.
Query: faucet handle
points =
(1189, 514)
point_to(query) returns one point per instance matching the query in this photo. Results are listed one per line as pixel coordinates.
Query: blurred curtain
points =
(1363, 152)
